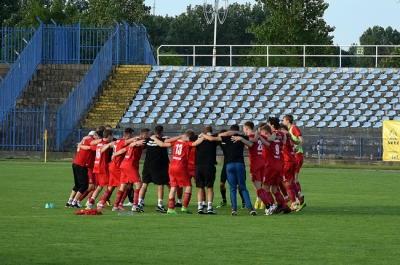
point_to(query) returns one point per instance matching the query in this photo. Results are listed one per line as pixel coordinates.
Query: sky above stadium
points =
(350, 17)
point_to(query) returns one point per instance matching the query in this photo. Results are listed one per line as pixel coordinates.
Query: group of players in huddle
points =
(274, 149)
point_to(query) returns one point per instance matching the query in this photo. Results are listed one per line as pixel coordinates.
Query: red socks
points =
(290, 191)
(106, 196)
(123, 197)
(187, 199)
(298, 186)
(136, 196)
(280, 200)
(83, 196)
(118, 198)
(295, 189)
(283, 189)
(171, 203)
(263, 195)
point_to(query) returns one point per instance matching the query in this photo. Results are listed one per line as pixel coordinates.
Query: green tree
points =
(103, 12)
(7, 8)
(292, 22)
(376, 36)
(190, 28)
(157, 28)
(391, 61)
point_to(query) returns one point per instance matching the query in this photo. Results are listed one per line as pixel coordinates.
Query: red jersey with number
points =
(132, 156)
(288, 153)
(118, 145)
(85, 157)
(101, 159)
(256, 152)
(273, 154)
(180, 153)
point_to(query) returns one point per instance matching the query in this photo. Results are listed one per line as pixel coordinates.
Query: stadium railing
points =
(79, 100)
(20, 73)
(369, 55)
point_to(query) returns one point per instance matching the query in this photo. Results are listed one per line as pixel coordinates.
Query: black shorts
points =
(80, 177)
(223, 174)
(205, 176)
(158, 176)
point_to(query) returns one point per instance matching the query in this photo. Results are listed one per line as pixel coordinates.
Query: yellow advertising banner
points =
(391, 140)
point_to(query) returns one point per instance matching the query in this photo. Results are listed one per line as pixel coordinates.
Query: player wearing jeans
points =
(235, 168)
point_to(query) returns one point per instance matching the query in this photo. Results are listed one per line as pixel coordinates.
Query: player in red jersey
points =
(289, 167)
(130, 171)
(298, 148)
(257, 162)
(273, 169)
(178, 171)
(191, 168)
(100, 165)
(80, 166)
(114, 166)
(97, 137)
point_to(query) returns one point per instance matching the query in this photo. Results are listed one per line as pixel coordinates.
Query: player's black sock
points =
(241, 195)
(223, 194)
(130, 195)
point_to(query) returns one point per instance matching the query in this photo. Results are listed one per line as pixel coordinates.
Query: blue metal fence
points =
(79, 100)
(20, 73)
(55, 44)
(23, 129)
(13, 41)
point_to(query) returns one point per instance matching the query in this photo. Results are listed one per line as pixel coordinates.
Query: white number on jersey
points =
(277, 152)
(260, 145)
(178, 149)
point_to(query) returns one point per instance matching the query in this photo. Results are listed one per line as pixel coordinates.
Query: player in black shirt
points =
(206, 157)
(235, 168)
(155, 168)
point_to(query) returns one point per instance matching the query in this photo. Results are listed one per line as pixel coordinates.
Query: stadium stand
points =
(228, 95)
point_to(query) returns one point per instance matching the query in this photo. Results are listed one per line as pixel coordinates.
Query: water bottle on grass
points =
(125, 213)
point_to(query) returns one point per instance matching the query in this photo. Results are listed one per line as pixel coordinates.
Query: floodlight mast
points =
(216, 16)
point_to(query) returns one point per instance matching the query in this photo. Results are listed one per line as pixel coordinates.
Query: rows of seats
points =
(317, 97)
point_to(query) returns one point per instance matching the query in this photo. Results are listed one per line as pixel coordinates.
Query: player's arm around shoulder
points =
(209, 137)
(159, 142)
(242, 139)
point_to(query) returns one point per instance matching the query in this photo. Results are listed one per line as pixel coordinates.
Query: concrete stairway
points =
(3, 70)
(117, 96)
(52, 84)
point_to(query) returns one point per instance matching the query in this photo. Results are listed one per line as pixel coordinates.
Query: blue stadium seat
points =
(137, 120)
(191, 75)
(351, 71)
(188, 80)
(205, 75)
(344, 124)
(339, 118)
(219, 122)
(235, 70)
(180, 92)
(355, 124)
(345, 77)
(125, 120)
(333, 124)
(261, 70)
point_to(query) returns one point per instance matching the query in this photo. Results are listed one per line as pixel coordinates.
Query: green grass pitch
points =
(352, 217)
